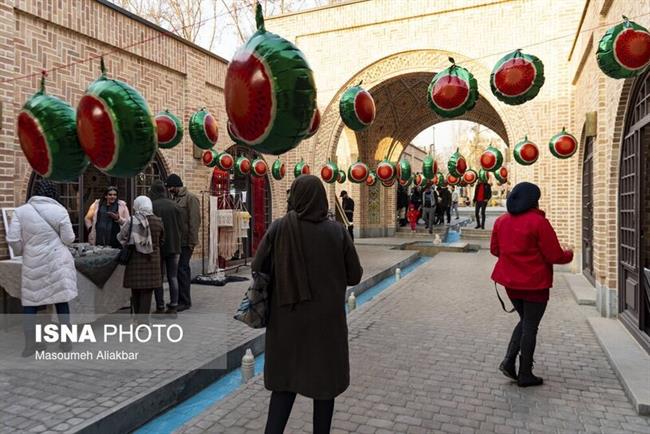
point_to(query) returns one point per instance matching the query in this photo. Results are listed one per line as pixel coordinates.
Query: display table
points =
(92, 300)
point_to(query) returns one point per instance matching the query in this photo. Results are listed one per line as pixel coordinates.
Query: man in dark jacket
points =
(482, 194)
(445, 204)
(429, 204)
(348, 208)
(172, 217)
(191, 221)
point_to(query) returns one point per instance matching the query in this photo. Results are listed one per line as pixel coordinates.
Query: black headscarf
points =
(46, 188)
(523, 197)
(307, 202)
(157, 190)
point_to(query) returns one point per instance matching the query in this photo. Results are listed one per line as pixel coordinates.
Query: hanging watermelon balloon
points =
(329, 172)
(429, 167)
(358, 172)
(314, 124)
(452, 180)
(278, 170)
(517, 77)
(210, 157)
(259, 167)
(301, 168)
(470, 176)
(169, 129)
(371, 179)
(406, 183)
(203, 129)
(270, 92)
(453, 91)
(501, 175)
(403, 170)
(526, 152)
(624, 50)
(483, 176)
(418, 179)
(491, 159)
(47, 133)
(242, 166)
(232, 135)
(389, 183)
(357, 108)
(115, 127)
(439, 180)
(563, 145)
(225, 161)
(341, 178)
(462, 182)
(457, 164)
(385, 171)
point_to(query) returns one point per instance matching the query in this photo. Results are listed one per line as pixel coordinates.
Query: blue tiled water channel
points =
(182, 413)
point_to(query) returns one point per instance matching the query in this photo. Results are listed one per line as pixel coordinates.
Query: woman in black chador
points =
(313, 260)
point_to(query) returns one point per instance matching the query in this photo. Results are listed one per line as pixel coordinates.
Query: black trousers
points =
(524, 335)
(480, 213)
(280, 409)
(351, 231)
(185, 276)
(141, 301)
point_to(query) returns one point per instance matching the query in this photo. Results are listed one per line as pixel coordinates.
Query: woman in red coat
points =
(527, 247)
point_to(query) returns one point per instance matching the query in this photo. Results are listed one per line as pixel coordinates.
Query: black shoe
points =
(159, 311)
(508, 369)
(526, 377)
(478, 227)
(65, 347)
(171, 312)
(482, 227)
(182, 307)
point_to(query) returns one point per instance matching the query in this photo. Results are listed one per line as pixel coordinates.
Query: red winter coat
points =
(527, 248)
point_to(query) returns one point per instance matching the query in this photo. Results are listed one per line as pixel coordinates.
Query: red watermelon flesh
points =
(450, 92)
(249, 98)
(166, 129)
(503, 172)
(384, 172)
(207, 157)
(364, 107)
(95, 128)
(283, 170)
(226, 161)
(327, 173)
(632, 49)
(245, 166)
(315, 123)
(469, 177)
(461, 166)
(529, 152)
(565, 145)
(305, 170)
(260, 167)
(359, 172)
(33, 143)
(515, 77)
(488, 160)
(210, 127)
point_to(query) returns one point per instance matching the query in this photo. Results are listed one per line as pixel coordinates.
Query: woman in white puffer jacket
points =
(41, 230)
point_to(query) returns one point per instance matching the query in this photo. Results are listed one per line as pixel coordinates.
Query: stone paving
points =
(62, 400)
(424, 355)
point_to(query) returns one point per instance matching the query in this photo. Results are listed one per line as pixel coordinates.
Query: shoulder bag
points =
(124, 256)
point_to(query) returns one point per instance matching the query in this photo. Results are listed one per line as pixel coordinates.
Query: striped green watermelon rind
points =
(259, 167)
(530, 72)
(203, 129)
(134, 142)
(429, 167)
(242, 166)
(403, 170)
(371, 179)
(483, 176)
(210, 157)
(314, 124)
(418, 179)
(470, 176)
(499, 178)
(457, 164)
(607, 54)
(278, 170)
(301, 168)
(169, 129)
(341, 178)
(357, 108)
(563, 145)
(525, 154)
(329, 172)
(492, 159)
(47, 134)
(406, 183)
(275, 116)
(456, 83)
(225, 161)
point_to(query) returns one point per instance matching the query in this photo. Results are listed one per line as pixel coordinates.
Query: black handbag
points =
(126, 252)
(254, 308)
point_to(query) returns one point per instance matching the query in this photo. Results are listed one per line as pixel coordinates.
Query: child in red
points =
(412, 216)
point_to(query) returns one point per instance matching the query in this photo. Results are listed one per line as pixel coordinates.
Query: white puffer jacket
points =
(41, 229)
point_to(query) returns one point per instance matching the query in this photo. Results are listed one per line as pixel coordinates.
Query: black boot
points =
(507, 366)
(526, 377)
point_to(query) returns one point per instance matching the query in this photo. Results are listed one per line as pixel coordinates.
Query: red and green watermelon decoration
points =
(259, 167)
(232, 135)
(225, 161)
(563, 145)
(403, 170)
(526, 152)
(405, 183)
(483, 176)
(314, 123)
(210, 158)
(492, 159)
(462, 182)
(115, 127)
(169, 129)
(47, 133)
(278, 170)
(389, 183)
(371, 179)
(470, 176)
(452, 180)
(242, 166)
(457, 164)
(341, 178)
(385, 171)
(624, 50)
(329, 172)
(203, 129)
(429, 167)
(357, 108)
(301, 168)
(439, 180)
(418, 179)
(270, 92)
(517, 77)
(453, 91)
(501, 175)
(358, 172)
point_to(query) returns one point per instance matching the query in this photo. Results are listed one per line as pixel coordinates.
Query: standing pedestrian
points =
(312, 261)
(41, 231)
(445, 200)
(455, 197)
(171, 215)
(482, 194)
(191, 214)
(348, 209)
(142, 272)
(402, 204)
(429, 201)
(104, 219)
(527, 248)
